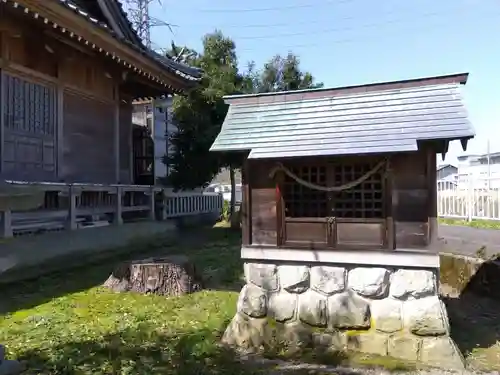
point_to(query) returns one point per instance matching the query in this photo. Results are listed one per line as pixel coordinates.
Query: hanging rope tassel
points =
(347, 186)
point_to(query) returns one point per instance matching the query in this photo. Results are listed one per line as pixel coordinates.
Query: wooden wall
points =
(410, 210)
(410, 199)
(88, 140)
(87, 107)
(262, 194)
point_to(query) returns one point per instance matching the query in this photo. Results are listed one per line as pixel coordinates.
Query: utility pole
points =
(138, 13)
(489, 163)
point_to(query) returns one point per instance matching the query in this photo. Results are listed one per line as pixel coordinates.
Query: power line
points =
(340, 29)
(347, 40)
(248, 10)
(308, 22)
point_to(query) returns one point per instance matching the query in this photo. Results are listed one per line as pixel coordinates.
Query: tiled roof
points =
(337, 122)
(126, 34)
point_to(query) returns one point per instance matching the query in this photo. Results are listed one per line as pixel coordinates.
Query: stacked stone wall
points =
(376, 310)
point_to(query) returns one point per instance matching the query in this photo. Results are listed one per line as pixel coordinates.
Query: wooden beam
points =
(246, 219)
(116, 140)
(432, 201)
(60, 132)
(2, 121)
(100, 39)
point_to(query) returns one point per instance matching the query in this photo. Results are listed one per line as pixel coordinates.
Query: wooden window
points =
(361, 201)
(350, 218)
(30, 124)
(302, 201)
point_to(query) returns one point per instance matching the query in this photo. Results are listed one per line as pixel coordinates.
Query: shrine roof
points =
(376, 118)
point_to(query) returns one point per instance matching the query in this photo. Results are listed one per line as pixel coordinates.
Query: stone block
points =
(369, 281)
(252, 301)
(404, 346)
(312, 308)
(411, 284)
(441, 352)
(387, 315)
(335, 340)
(370, 343)
(426, 316)
(348, 311)
(263, 275)
(289, 336)
(328, 280)
(245, 333)
(282, 306)
(294, 279)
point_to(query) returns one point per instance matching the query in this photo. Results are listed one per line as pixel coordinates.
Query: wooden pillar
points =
(116, 143)
(6, 228)
(432, 186)
(118, 219)
(246, 221)
(279, 179)
(389, 212)
(60, 132)
(2, 125)
(152, 202)
(72, 195)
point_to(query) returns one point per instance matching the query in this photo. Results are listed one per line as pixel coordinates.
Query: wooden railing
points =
(77, 206)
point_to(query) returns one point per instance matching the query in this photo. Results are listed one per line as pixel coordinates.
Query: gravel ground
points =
(286, 368)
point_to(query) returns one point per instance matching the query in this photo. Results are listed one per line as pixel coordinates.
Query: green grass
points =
(66, 323)
(486, 224)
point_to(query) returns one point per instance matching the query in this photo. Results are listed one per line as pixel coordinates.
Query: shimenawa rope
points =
(349, 185)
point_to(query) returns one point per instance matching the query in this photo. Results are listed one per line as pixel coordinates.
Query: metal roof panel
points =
(372, 122)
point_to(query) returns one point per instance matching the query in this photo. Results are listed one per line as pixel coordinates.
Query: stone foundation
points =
(384, 311)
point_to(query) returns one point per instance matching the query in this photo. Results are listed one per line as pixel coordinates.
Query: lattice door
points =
(353, 217)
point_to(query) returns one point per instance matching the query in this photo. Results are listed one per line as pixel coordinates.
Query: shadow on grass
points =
(214, 251)
(475, 316)
(145, 350)
(142, 350)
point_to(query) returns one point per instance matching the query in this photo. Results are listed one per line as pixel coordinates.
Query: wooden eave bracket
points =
(75, 26)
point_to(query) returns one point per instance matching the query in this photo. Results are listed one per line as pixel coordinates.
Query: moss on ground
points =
(66, 323)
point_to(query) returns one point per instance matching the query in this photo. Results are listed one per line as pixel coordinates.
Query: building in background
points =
(153, 125)
(479, 171)
(447, 176)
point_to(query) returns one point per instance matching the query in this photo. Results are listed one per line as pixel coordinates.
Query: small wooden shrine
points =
(339, 210)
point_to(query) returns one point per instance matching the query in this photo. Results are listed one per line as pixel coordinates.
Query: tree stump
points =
(168, 276)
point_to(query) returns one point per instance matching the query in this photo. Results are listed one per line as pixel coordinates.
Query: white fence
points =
(469, 199)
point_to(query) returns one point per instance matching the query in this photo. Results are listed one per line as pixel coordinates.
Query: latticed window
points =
(363, 200)
(29, 107)
(302, 201)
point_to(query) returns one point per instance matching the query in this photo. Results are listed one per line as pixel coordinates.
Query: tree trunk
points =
(235, 223)
(169, 276)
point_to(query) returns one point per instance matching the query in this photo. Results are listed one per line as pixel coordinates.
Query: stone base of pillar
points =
(374, 310)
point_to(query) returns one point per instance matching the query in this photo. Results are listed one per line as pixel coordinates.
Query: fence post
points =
(71, 224)
(6, 229)
(470, 198)
(118, 219)
(152, 212)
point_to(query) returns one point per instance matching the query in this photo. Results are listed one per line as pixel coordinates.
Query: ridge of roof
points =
(459, 78)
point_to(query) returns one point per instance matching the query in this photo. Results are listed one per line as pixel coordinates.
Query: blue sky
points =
(347, 42)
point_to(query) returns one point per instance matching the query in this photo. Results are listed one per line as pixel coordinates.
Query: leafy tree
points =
(200, 114)
(279, 74)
